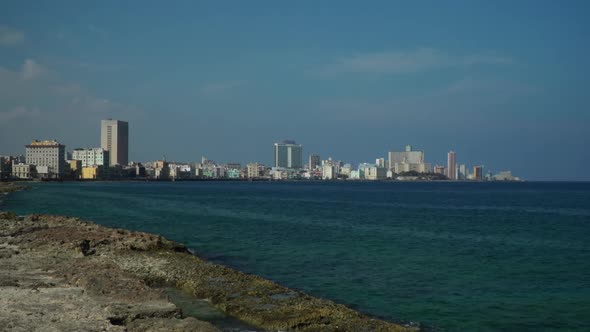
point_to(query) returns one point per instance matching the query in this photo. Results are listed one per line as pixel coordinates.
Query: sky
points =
(505, 84)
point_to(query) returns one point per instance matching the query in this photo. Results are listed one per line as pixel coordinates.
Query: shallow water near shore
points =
(204, 310)
(455, 256)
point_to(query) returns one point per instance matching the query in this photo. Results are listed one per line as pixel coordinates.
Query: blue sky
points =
(503, 83)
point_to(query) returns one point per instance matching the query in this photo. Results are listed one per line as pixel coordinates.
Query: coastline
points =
(81, 267)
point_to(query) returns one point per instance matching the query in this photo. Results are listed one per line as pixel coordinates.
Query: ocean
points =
(452, 256)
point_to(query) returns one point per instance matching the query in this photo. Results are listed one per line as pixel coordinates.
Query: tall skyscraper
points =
(114, 137)
(288, 154)
(452, 165)
(314, 161)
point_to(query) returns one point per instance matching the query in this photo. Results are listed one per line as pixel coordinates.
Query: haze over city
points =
(502, 84)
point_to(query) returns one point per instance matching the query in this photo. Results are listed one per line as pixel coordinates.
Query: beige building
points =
(408, 160)
(452, 165)
(375, 173)
(90, 173)
(48, 154)
(23, 171)
(75, 168)
(253, 170)
(161, 170)
(114, 137)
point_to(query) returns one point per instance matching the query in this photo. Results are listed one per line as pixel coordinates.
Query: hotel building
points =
(48, 155)
(288, 154)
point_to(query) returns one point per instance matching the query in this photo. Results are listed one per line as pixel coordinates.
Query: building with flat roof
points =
(114, 137)
(408, 160)
(288, 154)
(252, 171)
(92, 157)
(48, 153)
(23, 171)
(452, 165)
(375, 173)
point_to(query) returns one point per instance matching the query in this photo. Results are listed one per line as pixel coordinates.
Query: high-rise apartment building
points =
(48, 156)
(314, 161)
(288, 154)
(452, 165)
(114, 137)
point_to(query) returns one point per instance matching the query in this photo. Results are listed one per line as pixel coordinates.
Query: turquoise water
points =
(453, 256)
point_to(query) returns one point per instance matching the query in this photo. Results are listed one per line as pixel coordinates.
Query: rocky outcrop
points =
(8, 187)
(59, 273)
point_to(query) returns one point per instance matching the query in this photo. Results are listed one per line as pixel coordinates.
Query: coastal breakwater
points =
(60, 273)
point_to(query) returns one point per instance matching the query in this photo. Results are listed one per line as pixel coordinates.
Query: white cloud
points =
(398, 62)
(9, 36)
(32, 70)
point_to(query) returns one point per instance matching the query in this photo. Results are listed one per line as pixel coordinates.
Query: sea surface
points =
(452, 256)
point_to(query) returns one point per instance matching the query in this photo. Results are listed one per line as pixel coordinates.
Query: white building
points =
(23, 171)
(47, 153)
(114, 137)
(329, 172)
(462, 172)
(92, 157)
(345, 170)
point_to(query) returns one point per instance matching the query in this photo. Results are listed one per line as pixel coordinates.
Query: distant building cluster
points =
(49, 160)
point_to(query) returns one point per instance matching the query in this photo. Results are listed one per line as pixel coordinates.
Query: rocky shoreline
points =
(60, 273)
(8, 187)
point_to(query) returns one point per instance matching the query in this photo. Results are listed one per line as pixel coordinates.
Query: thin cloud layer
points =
(217, 88)
(35, 89)
(399, 62)
(10, 37)
(32, 70)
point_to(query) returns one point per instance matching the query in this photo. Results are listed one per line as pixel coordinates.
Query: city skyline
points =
(501, 85)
